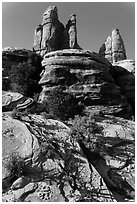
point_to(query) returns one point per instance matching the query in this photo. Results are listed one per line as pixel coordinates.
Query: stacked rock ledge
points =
(85, 74)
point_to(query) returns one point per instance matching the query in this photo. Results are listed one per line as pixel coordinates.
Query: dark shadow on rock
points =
(119, 187)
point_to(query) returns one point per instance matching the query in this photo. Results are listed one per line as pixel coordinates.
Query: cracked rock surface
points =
(60, 169)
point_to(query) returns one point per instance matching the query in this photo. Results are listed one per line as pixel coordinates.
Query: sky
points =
(95, 22)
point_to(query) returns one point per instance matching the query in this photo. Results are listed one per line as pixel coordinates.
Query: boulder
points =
(59, 164)
(22, 140)
(17, 140)
(113, 49)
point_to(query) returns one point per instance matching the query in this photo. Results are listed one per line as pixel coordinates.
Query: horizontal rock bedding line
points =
(70, 61)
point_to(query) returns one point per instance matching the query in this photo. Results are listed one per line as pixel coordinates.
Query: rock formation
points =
(128, 64)
(113, 49)
(51, 154)
(86, 75)
(51, 34)
(11, 100)
(48, 36)
(45, 160)
(13, 56)
(126, 81)
(70, 34)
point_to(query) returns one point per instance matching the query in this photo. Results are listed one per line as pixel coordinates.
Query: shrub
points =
(87, 130)
(16, 114)
(24, 79)
(62, 105)
(17, 167)
(41, 107)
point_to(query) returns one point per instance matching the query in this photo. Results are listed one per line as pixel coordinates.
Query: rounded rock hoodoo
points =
(84, 74)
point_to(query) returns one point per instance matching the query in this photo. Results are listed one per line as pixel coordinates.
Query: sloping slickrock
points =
(52, 35)
(113, 156)
(52, 142)
(23, 138)
(16, 140)
(129, 65)
(113, 49)
(11, 100)
(85, 74)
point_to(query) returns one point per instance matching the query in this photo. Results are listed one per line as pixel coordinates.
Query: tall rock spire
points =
(51, 34)
(48, 35)
(113, 49)
(70, 34)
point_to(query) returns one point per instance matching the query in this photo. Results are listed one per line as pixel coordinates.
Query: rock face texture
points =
(113, 49)
(48, 36)
(129, 65)
(51, 154)
(11, 100)
(51, 35)
(45, 160)
(13, 56)
(126, 81)
(85, 74)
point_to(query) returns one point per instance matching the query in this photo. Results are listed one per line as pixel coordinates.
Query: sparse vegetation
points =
(16, 114)
(24, 79)
(17, 167)
(62, 105)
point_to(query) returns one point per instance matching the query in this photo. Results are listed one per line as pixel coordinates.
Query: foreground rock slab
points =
(54, 160)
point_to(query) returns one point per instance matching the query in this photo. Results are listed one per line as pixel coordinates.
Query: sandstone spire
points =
(48, 35)
(113, 49)
(70, 34)
(51, 34)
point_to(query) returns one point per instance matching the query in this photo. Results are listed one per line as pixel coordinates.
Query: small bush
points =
(62, 105)
(16, 114)
(41, 107)
(17, 167)
(87, 130)
(24, 79)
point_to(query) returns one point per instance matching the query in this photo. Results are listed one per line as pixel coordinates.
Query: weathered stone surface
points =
(86, 75)
(11, 100)
(78, 53)
(129, 65)
(20, 183)
(22, 138)
(58, 152)
(70, 34)
(113, 49)
(13, 56)
(121, 110)
(51, 34)
(16, 139)
(126, 81)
